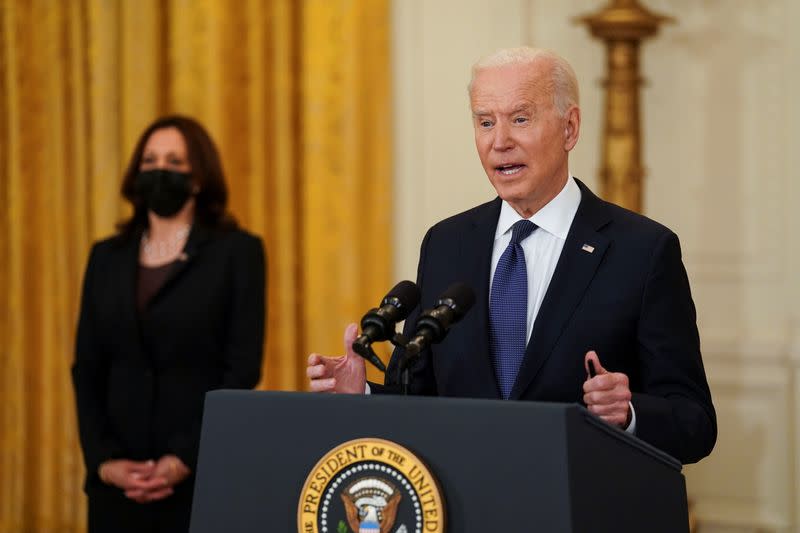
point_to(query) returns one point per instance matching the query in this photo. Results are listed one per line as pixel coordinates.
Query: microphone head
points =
(432, 325)
(459, 297)
(404, 296)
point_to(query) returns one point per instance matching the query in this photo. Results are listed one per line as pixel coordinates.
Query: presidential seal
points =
(370, 486)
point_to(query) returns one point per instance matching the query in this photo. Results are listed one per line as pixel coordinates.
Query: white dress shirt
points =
(543, 247)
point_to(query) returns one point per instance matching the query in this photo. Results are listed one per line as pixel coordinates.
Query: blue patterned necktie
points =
(508, 309)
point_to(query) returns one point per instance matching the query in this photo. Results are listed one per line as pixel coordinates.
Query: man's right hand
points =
(346, 374)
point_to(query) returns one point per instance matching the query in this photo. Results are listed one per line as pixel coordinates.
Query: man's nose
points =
(502, 137)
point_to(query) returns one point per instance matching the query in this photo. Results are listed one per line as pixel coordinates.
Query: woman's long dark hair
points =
(210, 201)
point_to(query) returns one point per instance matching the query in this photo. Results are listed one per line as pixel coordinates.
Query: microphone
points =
(433, 324)
(378, 324)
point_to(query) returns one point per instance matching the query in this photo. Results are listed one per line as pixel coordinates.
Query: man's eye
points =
(485, 124)
(520, 120)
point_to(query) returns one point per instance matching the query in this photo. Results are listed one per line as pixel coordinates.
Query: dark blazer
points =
(140, 382)
(628, 299)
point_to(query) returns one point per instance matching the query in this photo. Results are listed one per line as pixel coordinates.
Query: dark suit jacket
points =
(629, 300)
(140, 382)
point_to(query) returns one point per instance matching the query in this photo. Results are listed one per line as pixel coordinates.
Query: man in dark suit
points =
(563, 280)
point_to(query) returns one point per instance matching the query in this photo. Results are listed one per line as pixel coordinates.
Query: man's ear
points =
(572, 128)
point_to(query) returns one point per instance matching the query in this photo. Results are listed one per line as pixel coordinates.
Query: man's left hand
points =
(607, 394)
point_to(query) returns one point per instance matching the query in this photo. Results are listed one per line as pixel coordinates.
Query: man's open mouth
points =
(510, 169)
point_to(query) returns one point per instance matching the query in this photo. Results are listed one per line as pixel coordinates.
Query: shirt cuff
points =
(367, 390)
(631, 427)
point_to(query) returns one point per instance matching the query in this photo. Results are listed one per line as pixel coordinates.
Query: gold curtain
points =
(296, 94)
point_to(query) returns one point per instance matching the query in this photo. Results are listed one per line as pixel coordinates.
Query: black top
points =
(149, 282)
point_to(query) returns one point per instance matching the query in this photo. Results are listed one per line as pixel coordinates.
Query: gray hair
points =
(563, 83)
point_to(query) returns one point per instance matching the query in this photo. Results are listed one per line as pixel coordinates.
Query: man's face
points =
(522, 140)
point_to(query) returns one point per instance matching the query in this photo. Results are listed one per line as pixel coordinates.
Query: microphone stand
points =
(401, 341)
(410, 351)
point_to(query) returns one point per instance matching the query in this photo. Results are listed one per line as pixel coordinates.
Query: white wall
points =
(437, 171)
(720, 116)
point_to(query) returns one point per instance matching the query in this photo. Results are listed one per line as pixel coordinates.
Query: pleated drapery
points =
(296, 94)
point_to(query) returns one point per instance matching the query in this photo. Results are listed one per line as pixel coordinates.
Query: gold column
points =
(622, 24)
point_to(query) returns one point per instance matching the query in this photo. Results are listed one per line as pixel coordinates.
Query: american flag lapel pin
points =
(587, 248)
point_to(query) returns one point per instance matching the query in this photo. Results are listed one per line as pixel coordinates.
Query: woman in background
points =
(172, 307)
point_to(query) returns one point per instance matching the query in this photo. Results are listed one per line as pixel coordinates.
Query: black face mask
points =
(164, 191)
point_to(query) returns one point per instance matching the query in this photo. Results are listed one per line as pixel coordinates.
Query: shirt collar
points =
(555, 217)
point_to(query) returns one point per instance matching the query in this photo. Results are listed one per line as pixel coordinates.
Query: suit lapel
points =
(583, 252)
(476, 251)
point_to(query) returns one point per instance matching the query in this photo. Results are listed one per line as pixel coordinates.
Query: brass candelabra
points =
(622, 25)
